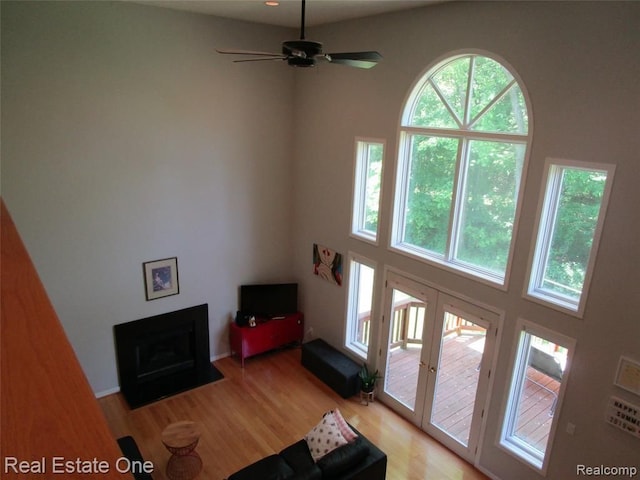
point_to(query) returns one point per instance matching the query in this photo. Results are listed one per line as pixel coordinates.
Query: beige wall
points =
(125, 138)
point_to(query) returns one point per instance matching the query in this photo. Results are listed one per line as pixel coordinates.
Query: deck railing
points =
(364, 328)
(407, 324)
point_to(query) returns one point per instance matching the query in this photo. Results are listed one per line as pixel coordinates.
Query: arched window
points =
(464, 138)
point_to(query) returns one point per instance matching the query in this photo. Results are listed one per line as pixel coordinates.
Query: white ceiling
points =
(287, 14)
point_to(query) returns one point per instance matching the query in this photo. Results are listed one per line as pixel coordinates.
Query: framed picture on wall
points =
(628, 375)
(161, 278)
(327, 264)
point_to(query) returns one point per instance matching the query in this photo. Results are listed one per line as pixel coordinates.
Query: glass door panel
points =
(456, 383)
(405, 348)
(459, 371)
(409, 309)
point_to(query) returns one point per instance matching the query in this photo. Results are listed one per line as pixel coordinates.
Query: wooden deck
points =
(461, 357)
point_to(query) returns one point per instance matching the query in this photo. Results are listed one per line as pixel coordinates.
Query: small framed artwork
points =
(161, 278)
(628, 375)
(327, 264)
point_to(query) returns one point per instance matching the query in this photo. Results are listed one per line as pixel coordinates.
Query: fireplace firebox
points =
(163, 355)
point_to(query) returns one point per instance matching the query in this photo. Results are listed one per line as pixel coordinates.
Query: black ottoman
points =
(332, 367)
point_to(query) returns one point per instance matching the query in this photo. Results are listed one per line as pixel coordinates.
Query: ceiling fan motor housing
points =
(301, 53)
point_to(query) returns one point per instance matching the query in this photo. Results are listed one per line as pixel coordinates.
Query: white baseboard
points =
(109, 391)
(218, 357)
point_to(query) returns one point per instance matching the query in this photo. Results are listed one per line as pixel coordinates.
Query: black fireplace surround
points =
(163, 355)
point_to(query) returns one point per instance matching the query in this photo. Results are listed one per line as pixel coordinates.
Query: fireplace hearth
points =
(163, 355)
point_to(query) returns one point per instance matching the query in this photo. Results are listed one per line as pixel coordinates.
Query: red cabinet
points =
(266, 335)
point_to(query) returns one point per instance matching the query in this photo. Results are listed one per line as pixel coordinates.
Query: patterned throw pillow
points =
(324, 437)
(346, 431)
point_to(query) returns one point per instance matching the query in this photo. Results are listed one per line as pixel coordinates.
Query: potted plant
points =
(368, 379)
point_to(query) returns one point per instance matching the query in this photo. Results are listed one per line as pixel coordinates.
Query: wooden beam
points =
(50, 418)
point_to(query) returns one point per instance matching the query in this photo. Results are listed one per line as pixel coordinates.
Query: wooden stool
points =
(181, 438)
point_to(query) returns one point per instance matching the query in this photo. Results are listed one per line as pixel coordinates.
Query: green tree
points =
(466, 95)
(577, 214)
(372, 196)
(430, 188)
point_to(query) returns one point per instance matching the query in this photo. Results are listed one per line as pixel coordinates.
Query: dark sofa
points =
(359, 460)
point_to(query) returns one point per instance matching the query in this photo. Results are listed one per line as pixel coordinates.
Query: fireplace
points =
(165, 354)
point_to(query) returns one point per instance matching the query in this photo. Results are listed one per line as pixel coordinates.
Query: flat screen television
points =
(269, 300)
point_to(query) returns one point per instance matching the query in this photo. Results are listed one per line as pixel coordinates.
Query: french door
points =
(437, 354)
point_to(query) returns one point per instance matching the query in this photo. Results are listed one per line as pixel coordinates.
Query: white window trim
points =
(359, 188)
(540, 241)
(351, 302)
(519, 449)
(395, 243)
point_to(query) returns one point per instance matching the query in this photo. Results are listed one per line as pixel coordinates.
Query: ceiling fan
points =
(305, 53)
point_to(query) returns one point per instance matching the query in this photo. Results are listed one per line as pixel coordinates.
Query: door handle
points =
(432, 369)
(422, 364)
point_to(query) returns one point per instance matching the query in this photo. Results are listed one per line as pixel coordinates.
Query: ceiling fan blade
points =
(262, 59)
(355, 59)
(227, 51)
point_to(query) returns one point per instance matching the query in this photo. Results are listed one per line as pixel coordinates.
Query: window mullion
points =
(446, 103)
(459, 187)
(487, 107)
(467, 103)
(475, 135)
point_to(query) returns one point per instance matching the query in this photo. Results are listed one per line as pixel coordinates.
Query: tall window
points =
(463, 144)
(360, 305)
(569, 229)
(539, 372)
(366, 190)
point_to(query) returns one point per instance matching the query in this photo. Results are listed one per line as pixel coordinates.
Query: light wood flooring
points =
(268, 405)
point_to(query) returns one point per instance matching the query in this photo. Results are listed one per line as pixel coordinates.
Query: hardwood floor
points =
(268, 405)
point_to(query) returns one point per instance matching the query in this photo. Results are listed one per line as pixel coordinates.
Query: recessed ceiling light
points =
(271, 3)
